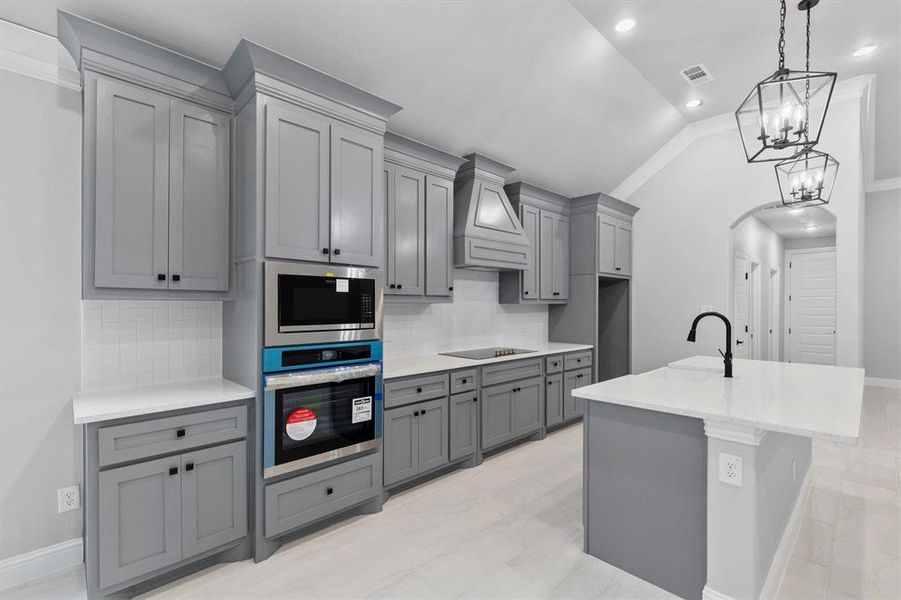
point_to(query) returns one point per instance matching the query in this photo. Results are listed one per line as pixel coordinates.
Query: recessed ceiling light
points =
(864, 50)
(694, 103)
(810, 228)
(625, 25)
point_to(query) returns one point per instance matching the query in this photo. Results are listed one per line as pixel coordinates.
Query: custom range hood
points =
(487, 232)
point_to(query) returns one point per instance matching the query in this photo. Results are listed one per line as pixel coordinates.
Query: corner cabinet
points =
(419, 191)
(161, 181)
(614, 246)
(323, 192)
(544, 218)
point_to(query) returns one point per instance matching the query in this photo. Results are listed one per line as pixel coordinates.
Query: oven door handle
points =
(317, 376)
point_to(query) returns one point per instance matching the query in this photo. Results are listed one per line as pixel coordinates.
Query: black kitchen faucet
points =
(727, 357)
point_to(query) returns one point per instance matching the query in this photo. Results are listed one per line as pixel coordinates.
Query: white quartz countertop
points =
(92, 407)
(405, 366)
(817, 401)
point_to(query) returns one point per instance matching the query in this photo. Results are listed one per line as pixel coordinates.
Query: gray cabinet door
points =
(464, 424)
(401, 444)
(214, 497)
(574, 407)
(546, 255)
(528, 405)
(439, 236)
(433, 431)
(606, 244)
(198, 198)
(553, 397)
(131, 210)
(497, 414)
(297, 183)
(406, 233)
(623, 249)
(357, 207)
(561, 257)
(530, 217)
(140, 525)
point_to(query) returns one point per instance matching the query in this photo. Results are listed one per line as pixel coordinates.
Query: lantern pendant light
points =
(781, 117)
(808, 178)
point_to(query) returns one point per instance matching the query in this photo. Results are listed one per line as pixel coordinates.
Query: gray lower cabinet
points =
(553, 399)
(511, 410)
(213, 497)
(464, 424)
(140, 519)
(416, 439)
(528, 406)
(161, 206)
(574, 407)
(158, 512)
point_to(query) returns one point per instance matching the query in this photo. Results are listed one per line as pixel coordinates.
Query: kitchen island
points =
(695, 482)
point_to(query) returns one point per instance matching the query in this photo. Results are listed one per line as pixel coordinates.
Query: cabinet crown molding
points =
(600, 201)
(101, 48)
(527, 193)
(489, 168)
(411, 153)
(250, 58)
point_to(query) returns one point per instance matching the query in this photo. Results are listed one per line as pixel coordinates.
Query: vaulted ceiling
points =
(545, 86)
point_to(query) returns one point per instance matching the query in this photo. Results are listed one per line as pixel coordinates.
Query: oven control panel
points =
(292, 358)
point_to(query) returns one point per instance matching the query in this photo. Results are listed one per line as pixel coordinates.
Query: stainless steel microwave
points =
(306, 304)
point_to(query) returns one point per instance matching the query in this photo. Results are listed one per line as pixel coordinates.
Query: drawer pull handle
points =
(550, 383)
(419, 390)
(618, 269)
(337, 251)
(329, 491)
(578, 360)
(416, 413)
(173, 470)
(189, 467)
(400, 286)
(325, 250)
(179, 433)
(475, 399)
(450, 288)
(462, 381)
(392, 286)
(422, 412)
(578, 376)
(161, 277)
(176, 277)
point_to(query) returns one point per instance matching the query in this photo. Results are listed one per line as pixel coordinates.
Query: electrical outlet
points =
(730, 469)
(67, 499)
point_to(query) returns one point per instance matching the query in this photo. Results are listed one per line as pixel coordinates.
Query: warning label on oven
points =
(300, 424)
(362, 409)
(342, 285)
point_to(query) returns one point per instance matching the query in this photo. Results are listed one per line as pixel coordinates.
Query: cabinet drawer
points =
(404, 391)
(577, 360)
(511, 371)
(133, 441)
(462, 381)
(553, 364)
(296, 502)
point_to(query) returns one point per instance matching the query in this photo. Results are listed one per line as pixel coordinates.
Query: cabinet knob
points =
(179, 433)
(416, 413)
(550, 383)
(173, 471)
(329, 491)
(161, 277)
(579, 376)
(422, 412)
(475, 399)
(419, 390)
(337, 251)
(392, 286)
(450, 288)
(176, 277)
(462, 381)
(189, 466)
(618, 269)
(325, 250)
(525, 293)
(400, 286)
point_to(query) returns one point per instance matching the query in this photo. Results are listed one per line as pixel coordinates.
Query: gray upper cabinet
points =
(297, 183)
(439, 240)
(544, 219)
(214, 497)
(406, 229)
(614, 246)
(199, 212)
(604, 223)
(623, 248)
(418, 184)
(357, 208)
(131, 207)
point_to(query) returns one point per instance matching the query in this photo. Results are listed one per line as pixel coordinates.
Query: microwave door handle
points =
(317, 376)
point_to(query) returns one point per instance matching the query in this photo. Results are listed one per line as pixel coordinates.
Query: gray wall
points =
(812, 242)
(882, 285)
(40, 310)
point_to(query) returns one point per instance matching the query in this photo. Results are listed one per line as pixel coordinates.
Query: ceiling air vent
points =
(696, 75)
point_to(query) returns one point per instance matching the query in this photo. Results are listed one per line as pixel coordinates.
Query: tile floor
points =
(511, 529)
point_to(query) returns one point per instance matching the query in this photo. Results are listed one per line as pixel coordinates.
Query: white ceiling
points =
(531, 83)
(736, 40)
(790, 223)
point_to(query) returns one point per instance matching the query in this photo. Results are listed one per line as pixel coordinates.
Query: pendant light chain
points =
(782, 35)
(807, 82)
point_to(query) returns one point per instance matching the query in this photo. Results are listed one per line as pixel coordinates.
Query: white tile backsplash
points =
(474, 319)
(139, 342)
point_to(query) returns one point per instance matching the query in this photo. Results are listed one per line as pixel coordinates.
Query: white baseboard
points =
(882, 382)
(789, 537)
(23, 568)
(711, 594)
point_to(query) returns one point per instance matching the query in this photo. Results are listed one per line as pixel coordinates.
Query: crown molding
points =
(883, 185)
(37, 55)
(411, 153)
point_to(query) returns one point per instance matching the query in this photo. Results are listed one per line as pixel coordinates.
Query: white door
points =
(755, 303)
(773, 317)
(741, 302)
(811, 306)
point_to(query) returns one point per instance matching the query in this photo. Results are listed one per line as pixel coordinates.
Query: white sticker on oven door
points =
(341, 285)
(362, 409)
(300, 424)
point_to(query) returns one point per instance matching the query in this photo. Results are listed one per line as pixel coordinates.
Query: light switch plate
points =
(730, 469)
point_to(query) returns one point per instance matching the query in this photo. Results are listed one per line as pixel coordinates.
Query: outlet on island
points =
(730, 469)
